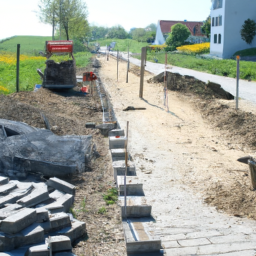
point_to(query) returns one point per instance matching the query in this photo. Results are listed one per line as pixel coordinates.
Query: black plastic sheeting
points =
(25, 149)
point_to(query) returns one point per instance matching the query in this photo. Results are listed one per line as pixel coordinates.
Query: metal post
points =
(18, 69)
(142, 69)
(126, 166)
(117, 56)
(237, 80)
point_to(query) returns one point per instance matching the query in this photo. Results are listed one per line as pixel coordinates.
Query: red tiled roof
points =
(167, 24)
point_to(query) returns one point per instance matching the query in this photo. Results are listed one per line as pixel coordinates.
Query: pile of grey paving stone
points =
(33, 217)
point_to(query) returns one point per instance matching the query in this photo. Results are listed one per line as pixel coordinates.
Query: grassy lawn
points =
(29, 45)
(122, 44)
(212, 66)
(29, 63)
(246, 52)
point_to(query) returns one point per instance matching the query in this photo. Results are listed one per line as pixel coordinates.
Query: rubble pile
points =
(34, 215)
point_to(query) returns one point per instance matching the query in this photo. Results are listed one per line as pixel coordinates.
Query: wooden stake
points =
(18, 69)
(252, 174)
(142, 69)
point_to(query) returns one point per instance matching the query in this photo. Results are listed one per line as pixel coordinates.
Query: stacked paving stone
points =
(138, 211)
(34, 215)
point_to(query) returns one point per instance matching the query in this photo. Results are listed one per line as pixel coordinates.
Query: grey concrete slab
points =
(194, 242)
(143, 246)
(42, 215)
(134, 186)
(38, 250)
(15, 195)
(117, 142)
(59, 221)
(4, 180)
(56, 194)
(118, 154)
(5, 189)
(59, 243)
(119, 169)
(77, 230)
(9, 210)
(116, 132)
(18, 221)
(136, 206)
(61, 185)
(37, 196)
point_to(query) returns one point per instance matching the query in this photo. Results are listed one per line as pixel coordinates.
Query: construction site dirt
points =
(205, 136)
(67, 113)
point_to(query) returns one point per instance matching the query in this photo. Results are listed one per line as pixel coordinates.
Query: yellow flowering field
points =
(10, 58)
(28, 73)
(195, 48)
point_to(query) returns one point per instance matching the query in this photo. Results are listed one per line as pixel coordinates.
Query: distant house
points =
(164, 27)
(228, 16)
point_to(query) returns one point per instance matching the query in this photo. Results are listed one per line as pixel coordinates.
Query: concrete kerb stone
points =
(115, 142)
(134, 187)
(3, 180)
(61, 185)
(38, 250)
(119, 169)
(118, 154)
(9, 210)
(5, 189)
(59, 243)
(116, 132)
(17, 222)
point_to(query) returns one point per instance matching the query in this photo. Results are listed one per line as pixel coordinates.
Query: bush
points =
(78, 46)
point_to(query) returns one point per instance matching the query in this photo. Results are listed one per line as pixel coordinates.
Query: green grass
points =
(102, 210)
(111, 197)
(211, 66)
(246, 52)
(28, 74)
(29, 45)
(122, 44)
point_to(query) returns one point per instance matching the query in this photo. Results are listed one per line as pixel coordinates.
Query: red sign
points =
(59, 46)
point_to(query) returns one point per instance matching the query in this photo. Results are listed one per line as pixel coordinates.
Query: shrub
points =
(111, 196)
(195, 48)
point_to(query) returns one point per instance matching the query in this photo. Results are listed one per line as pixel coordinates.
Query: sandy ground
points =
(187, 143)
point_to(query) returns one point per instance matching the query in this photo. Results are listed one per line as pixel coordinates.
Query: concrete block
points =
(9, 210)
(116, 132)
(42, 215)
(77, 230)
(63, 254)
(62, 204)
(5, 189)
(3, 180)
(37, 196)
(15, 195)
(59, 243)
(119, 169)
(115, 142)
(90, 125)
(134, 187)
(38, 250)
(61, 185)
(59, 221)
(136, 206)
(143, 246)
(118, 154)
(18, 221)
(56, 194)
(31, 235)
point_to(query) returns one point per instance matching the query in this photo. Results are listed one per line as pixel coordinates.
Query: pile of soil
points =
(189, 84)
(136, 70)
(67, 113)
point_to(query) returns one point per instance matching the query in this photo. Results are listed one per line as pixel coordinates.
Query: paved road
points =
(247, 89)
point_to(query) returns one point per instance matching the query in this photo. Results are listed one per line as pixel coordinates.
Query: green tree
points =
(206, 28)
(138, 34)
(179, 33)
(151, 27)
(98, 32)
(117, 32)
(47, 13)
(248, 31)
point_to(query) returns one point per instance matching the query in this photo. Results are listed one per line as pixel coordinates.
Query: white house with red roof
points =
(164, 27)
(228, 17)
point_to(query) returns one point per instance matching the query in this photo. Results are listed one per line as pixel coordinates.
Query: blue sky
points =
(18, 17)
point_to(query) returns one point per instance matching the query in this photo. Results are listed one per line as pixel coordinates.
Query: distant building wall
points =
(159, 40)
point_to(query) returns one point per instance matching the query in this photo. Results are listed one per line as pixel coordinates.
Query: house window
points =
(215, 38)
(217, 21)
(212, 21)
(217, 4)
(220, 20)
(219, 39)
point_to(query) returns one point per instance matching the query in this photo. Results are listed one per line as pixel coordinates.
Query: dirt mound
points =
(177, 82)
(236, 125)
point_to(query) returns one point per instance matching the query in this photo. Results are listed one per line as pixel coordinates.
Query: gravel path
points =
(160, 147)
